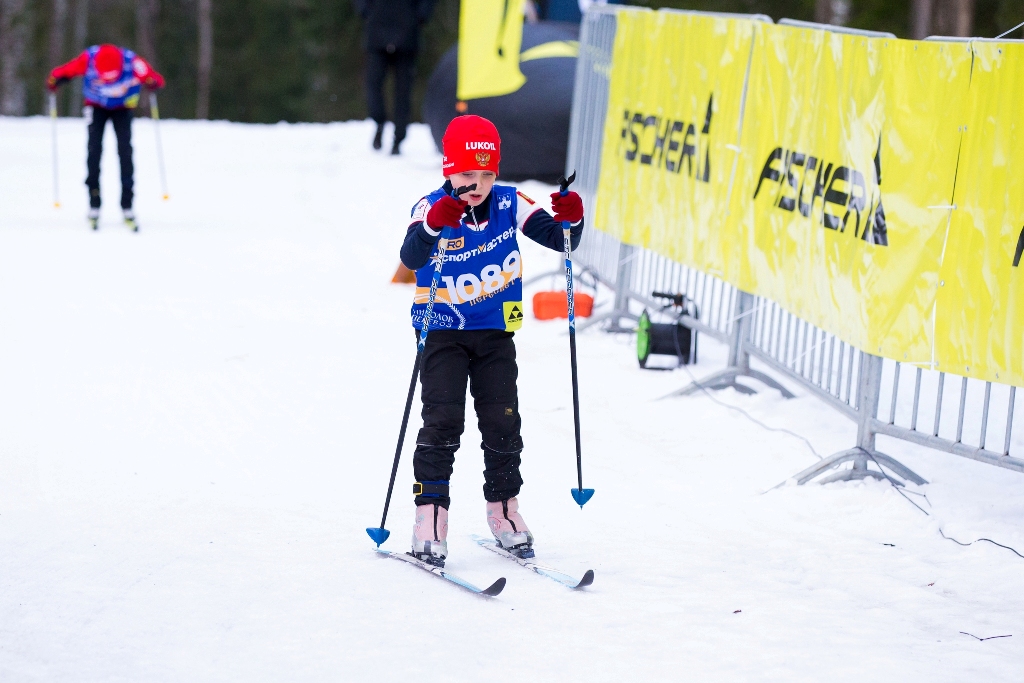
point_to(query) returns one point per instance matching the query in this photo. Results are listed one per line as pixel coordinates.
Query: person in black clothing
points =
(391, 40)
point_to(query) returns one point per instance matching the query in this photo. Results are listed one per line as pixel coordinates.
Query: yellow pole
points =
(155, 113)
(53, 119)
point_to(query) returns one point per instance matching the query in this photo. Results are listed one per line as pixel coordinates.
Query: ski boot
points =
(94, 219)
(129, 220)
(378, 136)
(509, 529)
(430, 534)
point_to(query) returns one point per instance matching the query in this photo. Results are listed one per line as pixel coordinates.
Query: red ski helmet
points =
(109, 63)
(471, 143)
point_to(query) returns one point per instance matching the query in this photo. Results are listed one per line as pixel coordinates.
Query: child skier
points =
(112, 80)
(477, 309)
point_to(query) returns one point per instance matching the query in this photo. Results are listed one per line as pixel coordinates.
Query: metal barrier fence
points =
(881, 396)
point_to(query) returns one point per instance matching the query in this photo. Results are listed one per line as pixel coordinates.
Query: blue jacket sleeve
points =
(542, 228)
(417, 246)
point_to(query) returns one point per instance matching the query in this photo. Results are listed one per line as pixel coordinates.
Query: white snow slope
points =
(197, 422)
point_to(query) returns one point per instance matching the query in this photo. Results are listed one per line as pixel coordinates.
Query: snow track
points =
(197, 422)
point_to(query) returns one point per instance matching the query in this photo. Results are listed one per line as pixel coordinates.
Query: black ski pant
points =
(122, 121)
(403, 64)
(487, 358)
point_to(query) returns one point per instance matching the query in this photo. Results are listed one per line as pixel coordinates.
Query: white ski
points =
(535, 566)
(490, 591)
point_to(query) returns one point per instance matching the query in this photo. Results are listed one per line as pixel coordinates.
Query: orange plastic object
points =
(551, 305)
(584, 305)
(404, 276)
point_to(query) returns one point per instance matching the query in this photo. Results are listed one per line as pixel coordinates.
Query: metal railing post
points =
(869, 385)
(870, 388)
(739, 358)
(620, 304)
(624, 276)
(869, 382)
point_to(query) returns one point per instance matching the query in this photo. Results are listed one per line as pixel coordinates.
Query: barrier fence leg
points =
(739, 359)
(869, 382)
(620, 306)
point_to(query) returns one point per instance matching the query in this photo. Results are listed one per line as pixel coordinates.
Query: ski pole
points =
(380, 534)
(53, 119)
(155, 113)
(580, 495)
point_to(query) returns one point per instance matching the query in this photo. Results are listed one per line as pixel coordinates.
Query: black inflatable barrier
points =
(533, 121)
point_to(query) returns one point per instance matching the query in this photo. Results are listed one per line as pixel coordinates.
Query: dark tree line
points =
(906, 18)
(264, 61)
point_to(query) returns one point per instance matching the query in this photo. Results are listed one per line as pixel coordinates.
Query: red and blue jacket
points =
(120, 94)
(482, 277)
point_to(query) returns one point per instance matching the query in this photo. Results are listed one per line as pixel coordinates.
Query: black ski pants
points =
(487, 358)
(121, 119)
(403, 64)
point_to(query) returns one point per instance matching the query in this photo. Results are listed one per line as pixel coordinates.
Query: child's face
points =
(484, 181)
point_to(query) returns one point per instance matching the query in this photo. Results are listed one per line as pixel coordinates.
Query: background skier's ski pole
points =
(380, 534)
(580, 495)
(155, 113)
(53, 120)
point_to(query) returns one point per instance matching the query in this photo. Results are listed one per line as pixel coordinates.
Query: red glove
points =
(568, 207)
(147, 74)
(446, 212)
(51, 83)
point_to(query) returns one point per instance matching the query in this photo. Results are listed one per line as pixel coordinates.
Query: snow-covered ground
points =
(197, 423)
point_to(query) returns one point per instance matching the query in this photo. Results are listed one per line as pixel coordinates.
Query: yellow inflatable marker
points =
(53, 119)
(490, 36)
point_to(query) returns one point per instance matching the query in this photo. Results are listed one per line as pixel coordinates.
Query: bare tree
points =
(941, 18)
(822, 11)
(920, 19)
(58, 29)
(205, 58)
(79, 37)
(836, 12)
(146, 14)
(964, 18)
(14, 30)
(840, 12)
(58, 34)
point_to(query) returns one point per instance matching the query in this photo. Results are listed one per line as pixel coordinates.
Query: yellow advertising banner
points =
(670, 136)
(872, 186)
(490, 36)
(849, 154)
(980, 312)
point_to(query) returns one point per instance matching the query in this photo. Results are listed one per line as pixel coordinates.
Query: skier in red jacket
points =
(111, 85)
